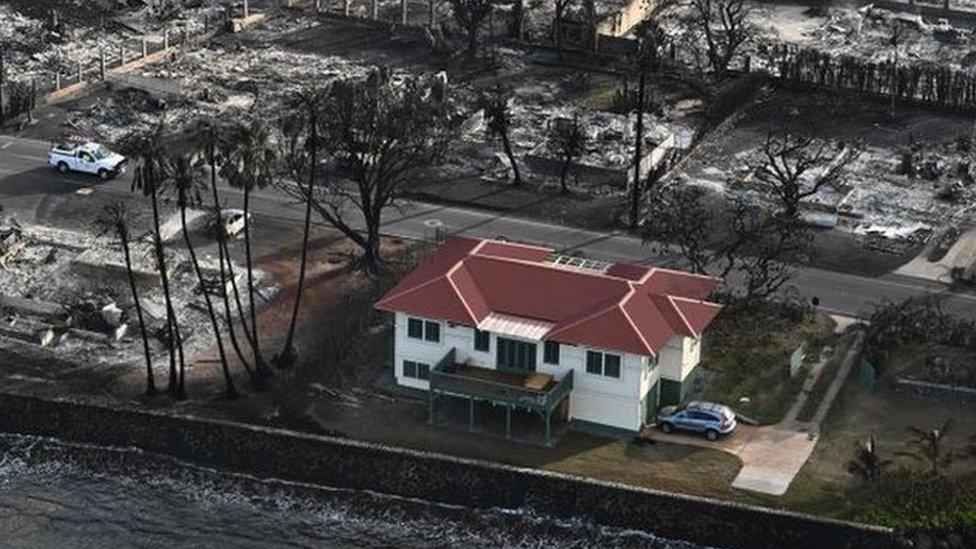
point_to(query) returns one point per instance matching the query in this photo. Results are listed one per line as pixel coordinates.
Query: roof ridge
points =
(464, 302)
(630, 320)
(681, 315)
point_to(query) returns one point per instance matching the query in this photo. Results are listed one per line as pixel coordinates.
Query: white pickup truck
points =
(87, 158)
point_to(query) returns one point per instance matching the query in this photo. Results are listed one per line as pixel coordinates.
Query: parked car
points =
(699, 417)
(87, 158)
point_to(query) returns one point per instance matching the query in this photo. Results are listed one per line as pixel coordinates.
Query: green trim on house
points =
(675, 392)
(650, 404)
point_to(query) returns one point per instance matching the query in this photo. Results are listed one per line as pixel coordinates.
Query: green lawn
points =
(748, 357)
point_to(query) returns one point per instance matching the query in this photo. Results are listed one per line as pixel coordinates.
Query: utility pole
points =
(638, 144)
(895, 41)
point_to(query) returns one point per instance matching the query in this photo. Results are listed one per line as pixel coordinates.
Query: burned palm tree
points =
(147, 148)
(114, 219)
(249, 164)
(929, 446)
(183, 176)
(300, 157)
(210, 142)
(867, 462)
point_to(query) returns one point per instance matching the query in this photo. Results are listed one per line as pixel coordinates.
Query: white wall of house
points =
(605, 400)
(407, 348)
(679, 357)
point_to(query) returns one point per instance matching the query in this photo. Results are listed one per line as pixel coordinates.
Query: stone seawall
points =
(357, 465)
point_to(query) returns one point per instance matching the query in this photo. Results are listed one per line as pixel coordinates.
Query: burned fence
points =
(21, 94)
(908, 82)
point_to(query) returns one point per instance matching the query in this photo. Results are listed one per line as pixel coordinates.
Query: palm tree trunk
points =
(635, 190)
(229, 317)
(221, 247)
(231, 392)
(237, 294)
(259, 363)
(288, 354)
(172, 324)
(150, 379)
(507, 144)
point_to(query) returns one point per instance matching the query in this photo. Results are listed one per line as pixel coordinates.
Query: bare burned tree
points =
(557, 24)
(382, 136)
(724, 28)
(499, 124)
(795, 168)
(471, 15)
(567, 140)
(737, 238)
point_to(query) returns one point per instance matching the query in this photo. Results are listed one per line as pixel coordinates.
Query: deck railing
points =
(444, 378)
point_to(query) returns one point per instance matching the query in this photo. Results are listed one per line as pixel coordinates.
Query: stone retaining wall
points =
(357, 465)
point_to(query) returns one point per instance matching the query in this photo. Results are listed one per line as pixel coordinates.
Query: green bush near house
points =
(748, 356)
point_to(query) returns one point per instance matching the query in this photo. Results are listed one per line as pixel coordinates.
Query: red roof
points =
(623, 306)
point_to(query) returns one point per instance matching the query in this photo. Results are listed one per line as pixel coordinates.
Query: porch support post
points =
(508, 422)
(470, 414)
(548, 428)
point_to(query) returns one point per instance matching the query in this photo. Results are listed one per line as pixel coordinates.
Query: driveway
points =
(773, 455)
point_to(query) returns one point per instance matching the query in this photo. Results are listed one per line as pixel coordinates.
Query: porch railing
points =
(444, 378)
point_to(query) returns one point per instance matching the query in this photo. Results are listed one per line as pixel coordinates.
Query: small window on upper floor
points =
(415, 328)
(603, 364)
(426, 330)
(550, 352)
(432, 331)
(482, 341)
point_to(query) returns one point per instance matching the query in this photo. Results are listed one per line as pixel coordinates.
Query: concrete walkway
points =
(773, 455)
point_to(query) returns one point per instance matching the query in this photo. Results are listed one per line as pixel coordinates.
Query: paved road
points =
(27, 185)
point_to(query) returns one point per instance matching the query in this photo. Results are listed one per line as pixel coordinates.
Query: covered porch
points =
(539, 394)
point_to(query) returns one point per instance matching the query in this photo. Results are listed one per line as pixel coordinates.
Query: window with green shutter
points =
(482, 341)
(611, 365)
(603, 364)
(416, 370)
(415, 328)
(594, 362)
(432, 331)
(550, 352)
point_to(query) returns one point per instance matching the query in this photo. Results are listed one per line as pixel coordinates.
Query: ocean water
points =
(58, 494)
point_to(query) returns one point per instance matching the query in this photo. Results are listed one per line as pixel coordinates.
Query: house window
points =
(416, 370)
(603, 364)
(426, 330)
(415, 328)
(432, 331)
(482, 341)
(515, 355)
(550, 352)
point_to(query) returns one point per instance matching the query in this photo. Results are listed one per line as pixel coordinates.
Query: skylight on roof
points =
(579, 263)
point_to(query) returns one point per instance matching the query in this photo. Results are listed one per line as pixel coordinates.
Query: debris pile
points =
(87, 313)
(870, 33)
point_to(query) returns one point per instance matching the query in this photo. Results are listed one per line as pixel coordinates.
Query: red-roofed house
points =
(522, 327)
